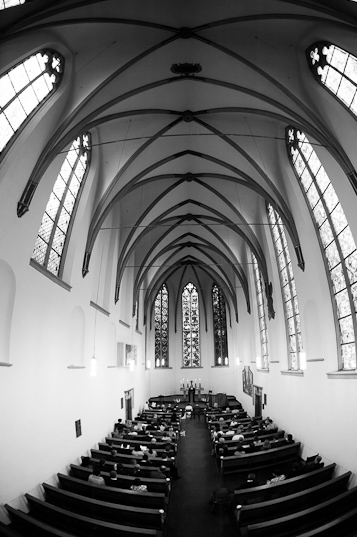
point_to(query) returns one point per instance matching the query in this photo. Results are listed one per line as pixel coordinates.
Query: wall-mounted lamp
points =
(148, 364)
(219, 361)
(259, 362)
(93, 366)
(302, 357)
(226, 360)
(237, 360)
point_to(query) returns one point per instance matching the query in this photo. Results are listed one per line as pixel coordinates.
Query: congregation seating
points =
(262, 459)
(120, 457)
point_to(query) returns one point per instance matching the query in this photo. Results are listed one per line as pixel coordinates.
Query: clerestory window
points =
(56, 222)
(190, 326)
(264, 363)
(336, 70)
(219, 327)
(335, 238)
(162, 328)
(287, 282)
(24, 88)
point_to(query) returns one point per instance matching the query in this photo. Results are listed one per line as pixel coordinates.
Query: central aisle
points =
(189, 512)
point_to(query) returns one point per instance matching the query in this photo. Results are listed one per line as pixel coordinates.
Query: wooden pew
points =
(127, 451)
(344, 525)
(27, 526)
(284, 488)
(126, 459)
(125, 481)
(83, 525)
(112, 512)
(153, 500)
(115, 443)
(268, 510)
(262, 459)
(305, 520)
(8, 530)
(130, 469)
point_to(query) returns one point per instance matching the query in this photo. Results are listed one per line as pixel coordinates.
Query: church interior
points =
(178, 208)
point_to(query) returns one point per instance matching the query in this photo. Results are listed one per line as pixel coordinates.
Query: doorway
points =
(258, 400)
(129, 403)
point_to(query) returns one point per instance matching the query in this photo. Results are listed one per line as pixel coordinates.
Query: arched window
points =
(24, 88)
(190, 327)
(162, 328)
(219, 327)
(264, 362)
(335, 236)
(336, 70)
(288, 288)
(55, 225)
(4, 4)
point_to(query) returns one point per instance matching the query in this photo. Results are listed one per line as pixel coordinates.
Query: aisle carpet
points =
(189, 512)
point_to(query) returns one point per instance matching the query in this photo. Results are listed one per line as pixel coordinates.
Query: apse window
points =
(161, 312)
(190, 326)
(261, 315)
(335, 237)
(336, 70)
(58, 218)
(219, 327)
(287, 282)
(24, 88)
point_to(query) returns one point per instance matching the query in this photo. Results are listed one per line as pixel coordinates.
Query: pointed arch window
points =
(336, 70)
(190, 326)
(335, 237)
(24, 88)
(162, 328)
(261, 315)
(219, 327)
(57, 220)
(287, 282)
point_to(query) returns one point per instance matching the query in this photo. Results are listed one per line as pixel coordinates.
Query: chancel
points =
(178, 189)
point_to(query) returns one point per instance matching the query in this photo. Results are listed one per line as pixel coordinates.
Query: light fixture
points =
(219, 361)
(148, 364)
(226, 360)
(162, 362)
(131, 365)
(259, 362)
(157, 362)
(93, 366)
(237, 360)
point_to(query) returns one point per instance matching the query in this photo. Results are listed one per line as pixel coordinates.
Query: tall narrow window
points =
(287, 283)
(162, 328)
(261, 314)
(190, 327)
(219, 327)
(336, 70)
(24, 87)
(55, 225)
(335, 236)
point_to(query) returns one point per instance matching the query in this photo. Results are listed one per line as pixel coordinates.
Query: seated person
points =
(119, 426)
(138, 486)
(314, 465)
(277, 476)
(85, 462)
(295, 471)
(188, 410)
(237, 437)
(269, 425)
(266, 445)
(112, 480)
(95, 478)
(250, 482)
(289, 439)
(221, 449)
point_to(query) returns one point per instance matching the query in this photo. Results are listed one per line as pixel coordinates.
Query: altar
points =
(192, 391)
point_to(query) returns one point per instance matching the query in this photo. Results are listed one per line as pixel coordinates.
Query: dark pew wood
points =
(111, 512)
(27, 526)
(134, 442)
(130, 469)
(305, 520)
(263, 511)
(83, 525)
(7, 530)
(344, 525)
(153, 500)
(126, 459)
(284, 488)
(124, 481)
(262, 459)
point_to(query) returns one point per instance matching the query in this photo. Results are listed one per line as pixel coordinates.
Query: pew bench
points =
(283, 488)
(126, 459)
(305, 520)
(130, 469)
(152, 500)
(83, 525)
(111, 512)
(262, 459)
(125, 481)
(25, 524)
(268, 510)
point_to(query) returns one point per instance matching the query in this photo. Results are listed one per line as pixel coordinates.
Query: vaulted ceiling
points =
(187, 103)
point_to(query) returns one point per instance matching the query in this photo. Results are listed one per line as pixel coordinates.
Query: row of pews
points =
(77, 508)
(314, 503)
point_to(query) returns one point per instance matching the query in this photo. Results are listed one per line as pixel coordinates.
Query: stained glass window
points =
(335, 237)
(336, 70)
(261, 314)
(4, 4)
(24, 87)
(190, 327)
(287, 283)
(55, 225)
(219, 327)
(162, 328)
